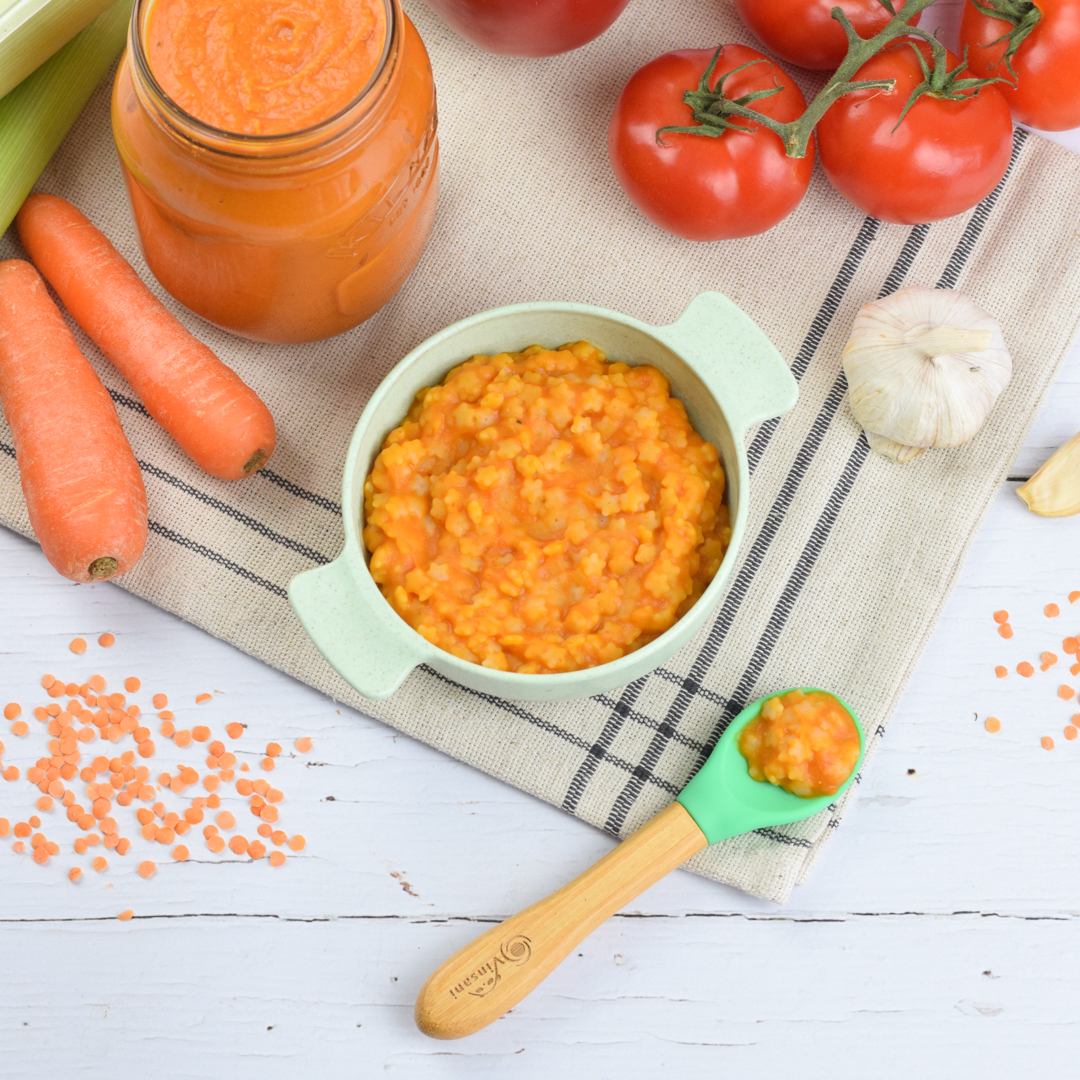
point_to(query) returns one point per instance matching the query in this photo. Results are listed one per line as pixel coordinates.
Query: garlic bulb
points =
(924, 368)
(1054, 491)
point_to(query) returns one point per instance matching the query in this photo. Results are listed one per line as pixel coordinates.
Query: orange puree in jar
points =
(545, 511)
(264, 67)
(806, 743)
(280, 157)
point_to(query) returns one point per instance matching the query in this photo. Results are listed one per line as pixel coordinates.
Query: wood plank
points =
(883, 996)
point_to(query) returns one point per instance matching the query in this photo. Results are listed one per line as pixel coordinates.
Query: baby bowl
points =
(720, 365)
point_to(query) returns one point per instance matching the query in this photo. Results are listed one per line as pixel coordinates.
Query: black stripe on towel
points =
(619, 712)
(975, 226)
(287, 485)
(818, 326)
(236, 515)
(515, 710)
(213, 556)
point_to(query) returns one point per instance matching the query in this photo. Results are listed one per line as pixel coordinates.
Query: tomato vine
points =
(715, 113)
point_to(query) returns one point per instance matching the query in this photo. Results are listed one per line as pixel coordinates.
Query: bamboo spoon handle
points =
(493, 973)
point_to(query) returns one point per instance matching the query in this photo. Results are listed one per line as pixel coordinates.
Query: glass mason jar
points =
(287, 237)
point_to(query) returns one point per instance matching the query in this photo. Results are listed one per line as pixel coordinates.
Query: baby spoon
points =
(492, 974)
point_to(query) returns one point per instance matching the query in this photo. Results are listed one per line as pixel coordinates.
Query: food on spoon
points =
(805, 742)
(924, 368)
(545, 511)
(217, 419)
(1054, 490)
(82, 484)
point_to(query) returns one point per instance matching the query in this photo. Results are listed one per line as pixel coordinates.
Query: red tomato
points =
(529, 27)
(699, 187)
(803, 31)
(943, 158)
(1047, 64)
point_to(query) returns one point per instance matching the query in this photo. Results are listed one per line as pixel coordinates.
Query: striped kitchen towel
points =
(848, 558)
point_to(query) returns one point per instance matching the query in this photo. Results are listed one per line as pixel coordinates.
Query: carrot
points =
(82, 484)
(217, 419)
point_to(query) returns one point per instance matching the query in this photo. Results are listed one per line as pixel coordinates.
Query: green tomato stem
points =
(712, 109)
(1023, 15)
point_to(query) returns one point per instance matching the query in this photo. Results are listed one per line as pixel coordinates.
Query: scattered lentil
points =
(993, 724)
(78, 646)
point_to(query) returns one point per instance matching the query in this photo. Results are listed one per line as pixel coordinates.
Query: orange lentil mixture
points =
(114, 777)
(806, 743)
(545, 511)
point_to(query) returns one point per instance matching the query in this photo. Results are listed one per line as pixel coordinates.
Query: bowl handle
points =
(361, 643)
(734, 358)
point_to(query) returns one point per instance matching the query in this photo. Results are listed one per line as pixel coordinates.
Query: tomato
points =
(703, 188)
(944, 157)
(1047, 64)
(529, 27)
(803, 31)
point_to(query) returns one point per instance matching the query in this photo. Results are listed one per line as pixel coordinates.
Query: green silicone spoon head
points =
(725, 801)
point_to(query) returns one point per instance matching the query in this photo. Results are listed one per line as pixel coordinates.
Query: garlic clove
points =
(1054, 490)
(924, 368)
(897, 451)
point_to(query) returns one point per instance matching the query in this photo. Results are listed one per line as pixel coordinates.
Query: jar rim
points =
(236, 139)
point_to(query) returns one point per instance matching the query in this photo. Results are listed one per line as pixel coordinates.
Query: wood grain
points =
(492, 974)
(941, 926)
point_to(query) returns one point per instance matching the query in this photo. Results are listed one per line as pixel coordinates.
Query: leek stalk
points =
(32, 30)
(37, 114)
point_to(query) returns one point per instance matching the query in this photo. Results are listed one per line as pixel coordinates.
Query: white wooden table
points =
(938, 937)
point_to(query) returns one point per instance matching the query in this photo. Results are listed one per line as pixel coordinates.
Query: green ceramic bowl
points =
(720, 365)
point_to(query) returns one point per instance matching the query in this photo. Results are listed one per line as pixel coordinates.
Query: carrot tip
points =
(103, 568)
(256, 462)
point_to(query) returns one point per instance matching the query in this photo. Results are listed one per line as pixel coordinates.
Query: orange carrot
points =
(83, 488)
(217, 419)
